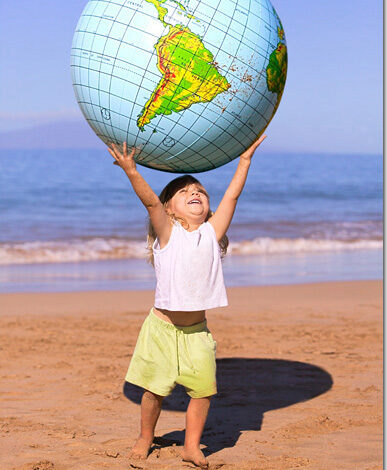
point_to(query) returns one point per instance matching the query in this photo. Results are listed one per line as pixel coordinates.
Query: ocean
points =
(70, 220)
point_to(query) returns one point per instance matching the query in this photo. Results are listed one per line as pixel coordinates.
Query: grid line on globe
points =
(178, 79)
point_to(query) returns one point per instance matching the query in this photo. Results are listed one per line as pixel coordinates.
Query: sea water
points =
(69, 220)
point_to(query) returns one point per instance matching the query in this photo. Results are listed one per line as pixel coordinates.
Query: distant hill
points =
(66, 134)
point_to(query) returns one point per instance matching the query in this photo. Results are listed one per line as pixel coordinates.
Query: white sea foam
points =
(112, 248)
(70, 250)
(265, 245)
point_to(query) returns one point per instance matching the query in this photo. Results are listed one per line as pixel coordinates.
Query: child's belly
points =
(180, 318)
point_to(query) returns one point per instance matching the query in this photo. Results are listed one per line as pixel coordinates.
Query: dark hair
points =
(175, 185)
(165, 196)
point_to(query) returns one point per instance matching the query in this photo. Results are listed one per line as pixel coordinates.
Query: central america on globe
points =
(190, 83)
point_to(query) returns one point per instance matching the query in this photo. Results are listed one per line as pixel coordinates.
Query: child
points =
(174, 345)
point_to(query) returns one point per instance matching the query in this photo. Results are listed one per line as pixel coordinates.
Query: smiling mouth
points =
(195, 201)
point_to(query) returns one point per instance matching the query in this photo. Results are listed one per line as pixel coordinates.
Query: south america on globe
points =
(191, 84)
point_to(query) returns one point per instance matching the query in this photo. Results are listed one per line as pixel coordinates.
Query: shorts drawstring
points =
(177, 353)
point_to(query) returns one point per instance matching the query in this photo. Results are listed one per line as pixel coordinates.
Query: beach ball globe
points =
(190, 84)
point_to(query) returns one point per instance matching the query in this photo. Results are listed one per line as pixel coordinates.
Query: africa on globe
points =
(190, 83)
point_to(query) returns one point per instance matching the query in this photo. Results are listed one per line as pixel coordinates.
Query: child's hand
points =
(122, 159)
(246, 155)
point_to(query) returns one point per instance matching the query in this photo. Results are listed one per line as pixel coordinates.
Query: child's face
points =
(190, 202)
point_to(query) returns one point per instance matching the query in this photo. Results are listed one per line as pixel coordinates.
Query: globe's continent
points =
(188, 76)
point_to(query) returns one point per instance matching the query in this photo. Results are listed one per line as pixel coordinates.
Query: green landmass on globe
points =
(277, 68)
(188, 73)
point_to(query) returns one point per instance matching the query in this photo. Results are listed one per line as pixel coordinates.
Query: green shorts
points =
(166, 355)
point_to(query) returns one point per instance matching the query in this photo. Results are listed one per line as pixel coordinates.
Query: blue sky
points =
(332, 100)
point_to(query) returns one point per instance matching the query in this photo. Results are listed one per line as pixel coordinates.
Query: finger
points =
(260, 140)
(116, 149)
(125, 148)
(139, 148)
(112, 153)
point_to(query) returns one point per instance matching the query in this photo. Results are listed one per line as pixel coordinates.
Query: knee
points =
(150, 396)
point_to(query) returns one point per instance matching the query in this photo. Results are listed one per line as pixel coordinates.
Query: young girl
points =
(174, 345)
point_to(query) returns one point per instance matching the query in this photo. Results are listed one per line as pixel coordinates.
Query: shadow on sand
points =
(247, 388)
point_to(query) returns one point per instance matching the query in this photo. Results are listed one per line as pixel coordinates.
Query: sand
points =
(299, 374)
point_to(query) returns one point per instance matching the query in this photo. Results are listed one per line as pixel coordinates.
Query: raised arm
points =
(223, 215)
(158, 216)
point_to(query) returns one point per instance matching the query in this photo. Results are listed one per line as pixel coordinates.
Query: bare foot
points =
(141, 447)
(195, 455)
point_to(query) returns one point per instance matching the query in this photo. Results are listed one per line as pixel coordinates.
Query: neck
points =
(193, 224)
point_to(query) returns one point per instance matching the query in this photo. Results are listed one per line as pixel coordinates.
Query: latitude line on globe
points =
(156, 37)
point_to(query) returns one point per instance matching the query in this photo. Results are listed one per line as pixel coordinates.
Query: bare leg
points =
(197, 412)
(150, 412)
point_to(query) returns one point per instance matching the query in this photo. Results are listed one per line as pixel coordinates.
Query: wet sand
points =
(299, 377)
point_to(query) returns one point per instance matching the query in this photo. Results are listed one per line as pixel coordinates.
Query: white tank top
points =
(189, 270)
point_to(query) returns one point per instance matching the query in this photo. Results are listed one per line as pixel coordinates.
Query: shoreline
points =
(239, 270)
(135, 301)
(300, 381)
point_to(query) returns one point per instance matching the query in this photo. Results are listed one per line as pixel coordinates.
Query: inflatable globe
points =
(191, 84)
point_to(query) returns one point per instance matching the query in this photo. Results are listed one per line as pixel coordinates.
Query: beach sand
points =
(299, 378)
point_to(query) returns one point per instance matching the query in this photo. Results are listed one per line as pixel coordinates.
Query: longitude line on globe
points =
(96, 126)
(121, 41)
(114, 61)
(99, 75)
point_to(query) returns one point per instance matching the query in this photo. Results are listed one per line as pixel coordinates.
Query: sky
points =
(332, 101)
